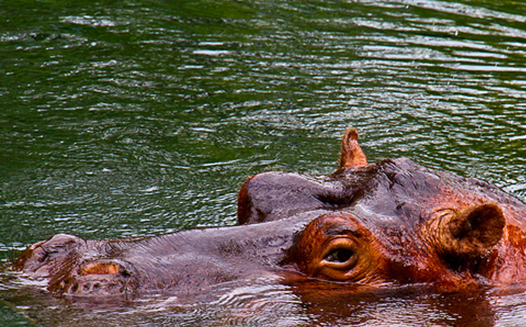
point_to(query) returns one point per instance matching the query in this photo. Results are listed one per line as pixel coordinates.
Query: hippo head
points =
(340, 247)
(389, 222)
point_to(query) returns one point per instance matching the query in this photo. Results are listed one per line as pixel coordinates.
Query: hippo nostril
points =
(72, 288)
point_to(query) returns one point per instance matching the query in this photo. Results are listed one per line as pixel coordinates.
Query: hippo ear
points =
(351, 155)
(473, 231)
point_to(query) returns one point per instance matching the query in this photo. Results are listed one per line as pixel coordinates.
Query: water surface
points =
(139, 118)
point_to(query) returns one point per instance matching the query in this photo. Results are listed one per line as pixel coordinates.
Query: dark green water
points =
(136, 118)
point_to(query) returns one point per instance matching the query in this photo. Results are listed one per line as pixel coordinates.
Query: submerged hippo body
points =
(390, 223)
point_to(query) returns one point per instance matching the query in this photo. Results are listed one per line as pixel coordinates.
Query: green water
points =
(137, 118)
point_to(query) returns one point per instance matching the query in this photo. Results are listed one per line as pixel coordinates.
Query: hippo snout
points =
(75, 268)
(42, 259)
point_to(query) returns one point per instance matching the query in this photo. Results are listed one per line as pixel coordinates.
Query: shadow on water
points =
(145, 117)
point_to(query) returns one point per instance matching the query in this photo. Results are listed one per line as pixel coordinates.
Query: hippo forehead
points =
(393, 192)
(401, 197)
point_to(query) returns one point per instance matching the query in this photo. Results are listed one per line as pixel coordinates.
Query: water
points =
(139, 118)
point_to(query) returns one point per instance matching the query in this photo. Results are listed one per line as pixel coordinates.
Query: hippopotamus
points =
(378, 225)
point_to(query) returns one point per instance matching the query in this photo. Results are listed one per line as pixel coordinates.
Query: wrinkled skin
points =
(373, 225)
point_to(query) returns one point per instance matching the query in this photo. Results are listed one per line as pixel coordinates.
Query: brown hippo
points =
(376, 225)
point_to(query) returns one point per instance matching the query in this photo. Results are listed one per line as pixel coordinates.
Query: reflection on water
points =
(265, 303)
(144, 117)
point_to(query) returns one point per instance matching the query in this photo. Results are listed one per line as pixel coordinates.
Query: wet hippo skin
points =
(377, 225)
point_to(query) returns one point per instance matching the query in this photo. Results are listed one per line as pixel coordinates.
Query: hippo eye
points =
(339, 256)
